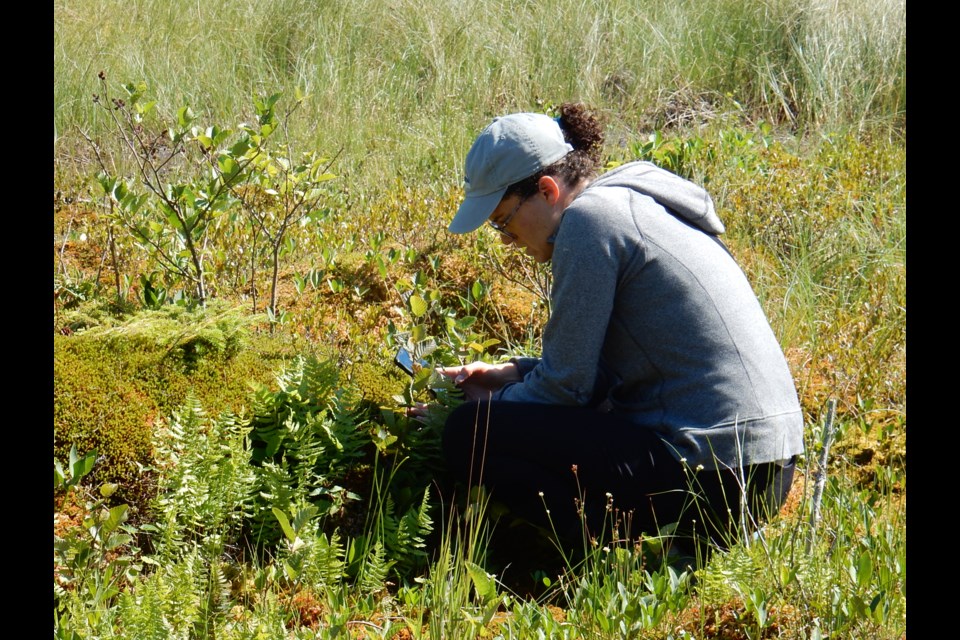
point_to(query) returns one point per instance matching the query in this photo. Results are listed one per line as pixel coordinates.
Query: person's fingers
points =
(417, 418)
(459, 374)
(450, 372)
(418, 409)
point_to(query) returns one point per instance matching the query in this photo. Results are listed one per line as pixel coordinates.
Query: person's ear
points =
(549, 189)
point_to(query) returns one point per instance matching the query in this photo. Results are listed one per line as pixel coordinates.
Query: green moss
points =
(377, 384)
(111, 389)
(98, 406)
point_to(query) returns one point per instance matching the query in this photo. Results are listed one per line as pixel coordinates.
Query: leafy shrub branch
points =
(181, 205)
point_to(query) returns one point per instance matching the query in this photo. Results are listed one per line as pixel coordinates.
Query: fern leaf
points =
(375, 569)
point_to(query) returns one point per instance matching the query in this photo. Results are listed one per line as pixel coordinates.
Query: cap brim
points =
(474, 211)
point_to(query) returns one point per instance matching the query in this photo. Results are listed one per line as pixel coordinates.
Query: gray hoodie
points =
(653, 317)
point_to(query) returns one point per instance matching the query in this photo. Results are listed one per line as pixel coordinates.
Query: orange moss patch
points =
(796, 495)
(68, 513)
(307, 611)
(732, 621)
(403, 634)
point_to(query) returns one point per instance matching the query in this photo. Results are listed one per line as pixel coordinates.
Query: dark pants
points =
(575, 456)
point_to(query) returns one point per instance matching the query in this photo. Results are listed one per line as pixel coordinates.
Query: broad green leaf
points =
(357, 546)
(877, 609)
(135, 90)
(59, 477)
(106, 182)
(864, 570)
(132, 202)
(190, 219)
(292, 572)
(185, 116)
(108, 591)
(418, 306)
(81, 466)
(284, 524)
(117, 540)
(466, 322)
(418, 333)
(483, 582)
(221, 135)
(118, 190)
(116, 515)
(228, 166)
(240, 147)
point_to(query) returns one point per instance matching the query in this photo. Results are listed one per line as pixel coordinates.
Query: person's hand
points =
(479, 380)
(419, 411)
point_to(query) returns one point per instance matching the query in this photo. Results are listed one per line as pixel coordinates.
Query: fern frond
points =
(412, 530)
(328, 561)
(376, 568)
(274, 489)
(203, 479)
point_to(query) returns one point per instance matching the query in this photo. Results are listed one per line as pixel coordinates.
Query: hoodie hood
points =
(679, 196)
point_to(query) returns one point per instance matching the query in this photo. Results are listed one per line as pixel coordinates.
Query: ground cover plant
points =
(240, 248)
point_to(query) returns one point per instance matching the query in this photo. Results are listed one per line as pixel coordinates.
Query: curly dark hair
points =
(583, 129)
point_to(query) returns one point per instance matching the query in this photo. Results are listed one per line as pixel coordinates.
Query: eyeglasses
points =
(502, 226)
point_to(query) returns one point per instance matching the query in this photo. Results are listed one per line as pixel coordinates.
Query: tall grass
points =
(402, 88)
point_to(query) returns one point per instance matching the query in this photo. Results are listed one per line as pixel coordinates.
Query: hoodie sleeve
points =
(586, 267)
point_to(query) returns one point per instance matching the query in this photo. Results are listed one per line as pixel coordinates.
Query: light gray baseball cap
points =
(510, 149)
